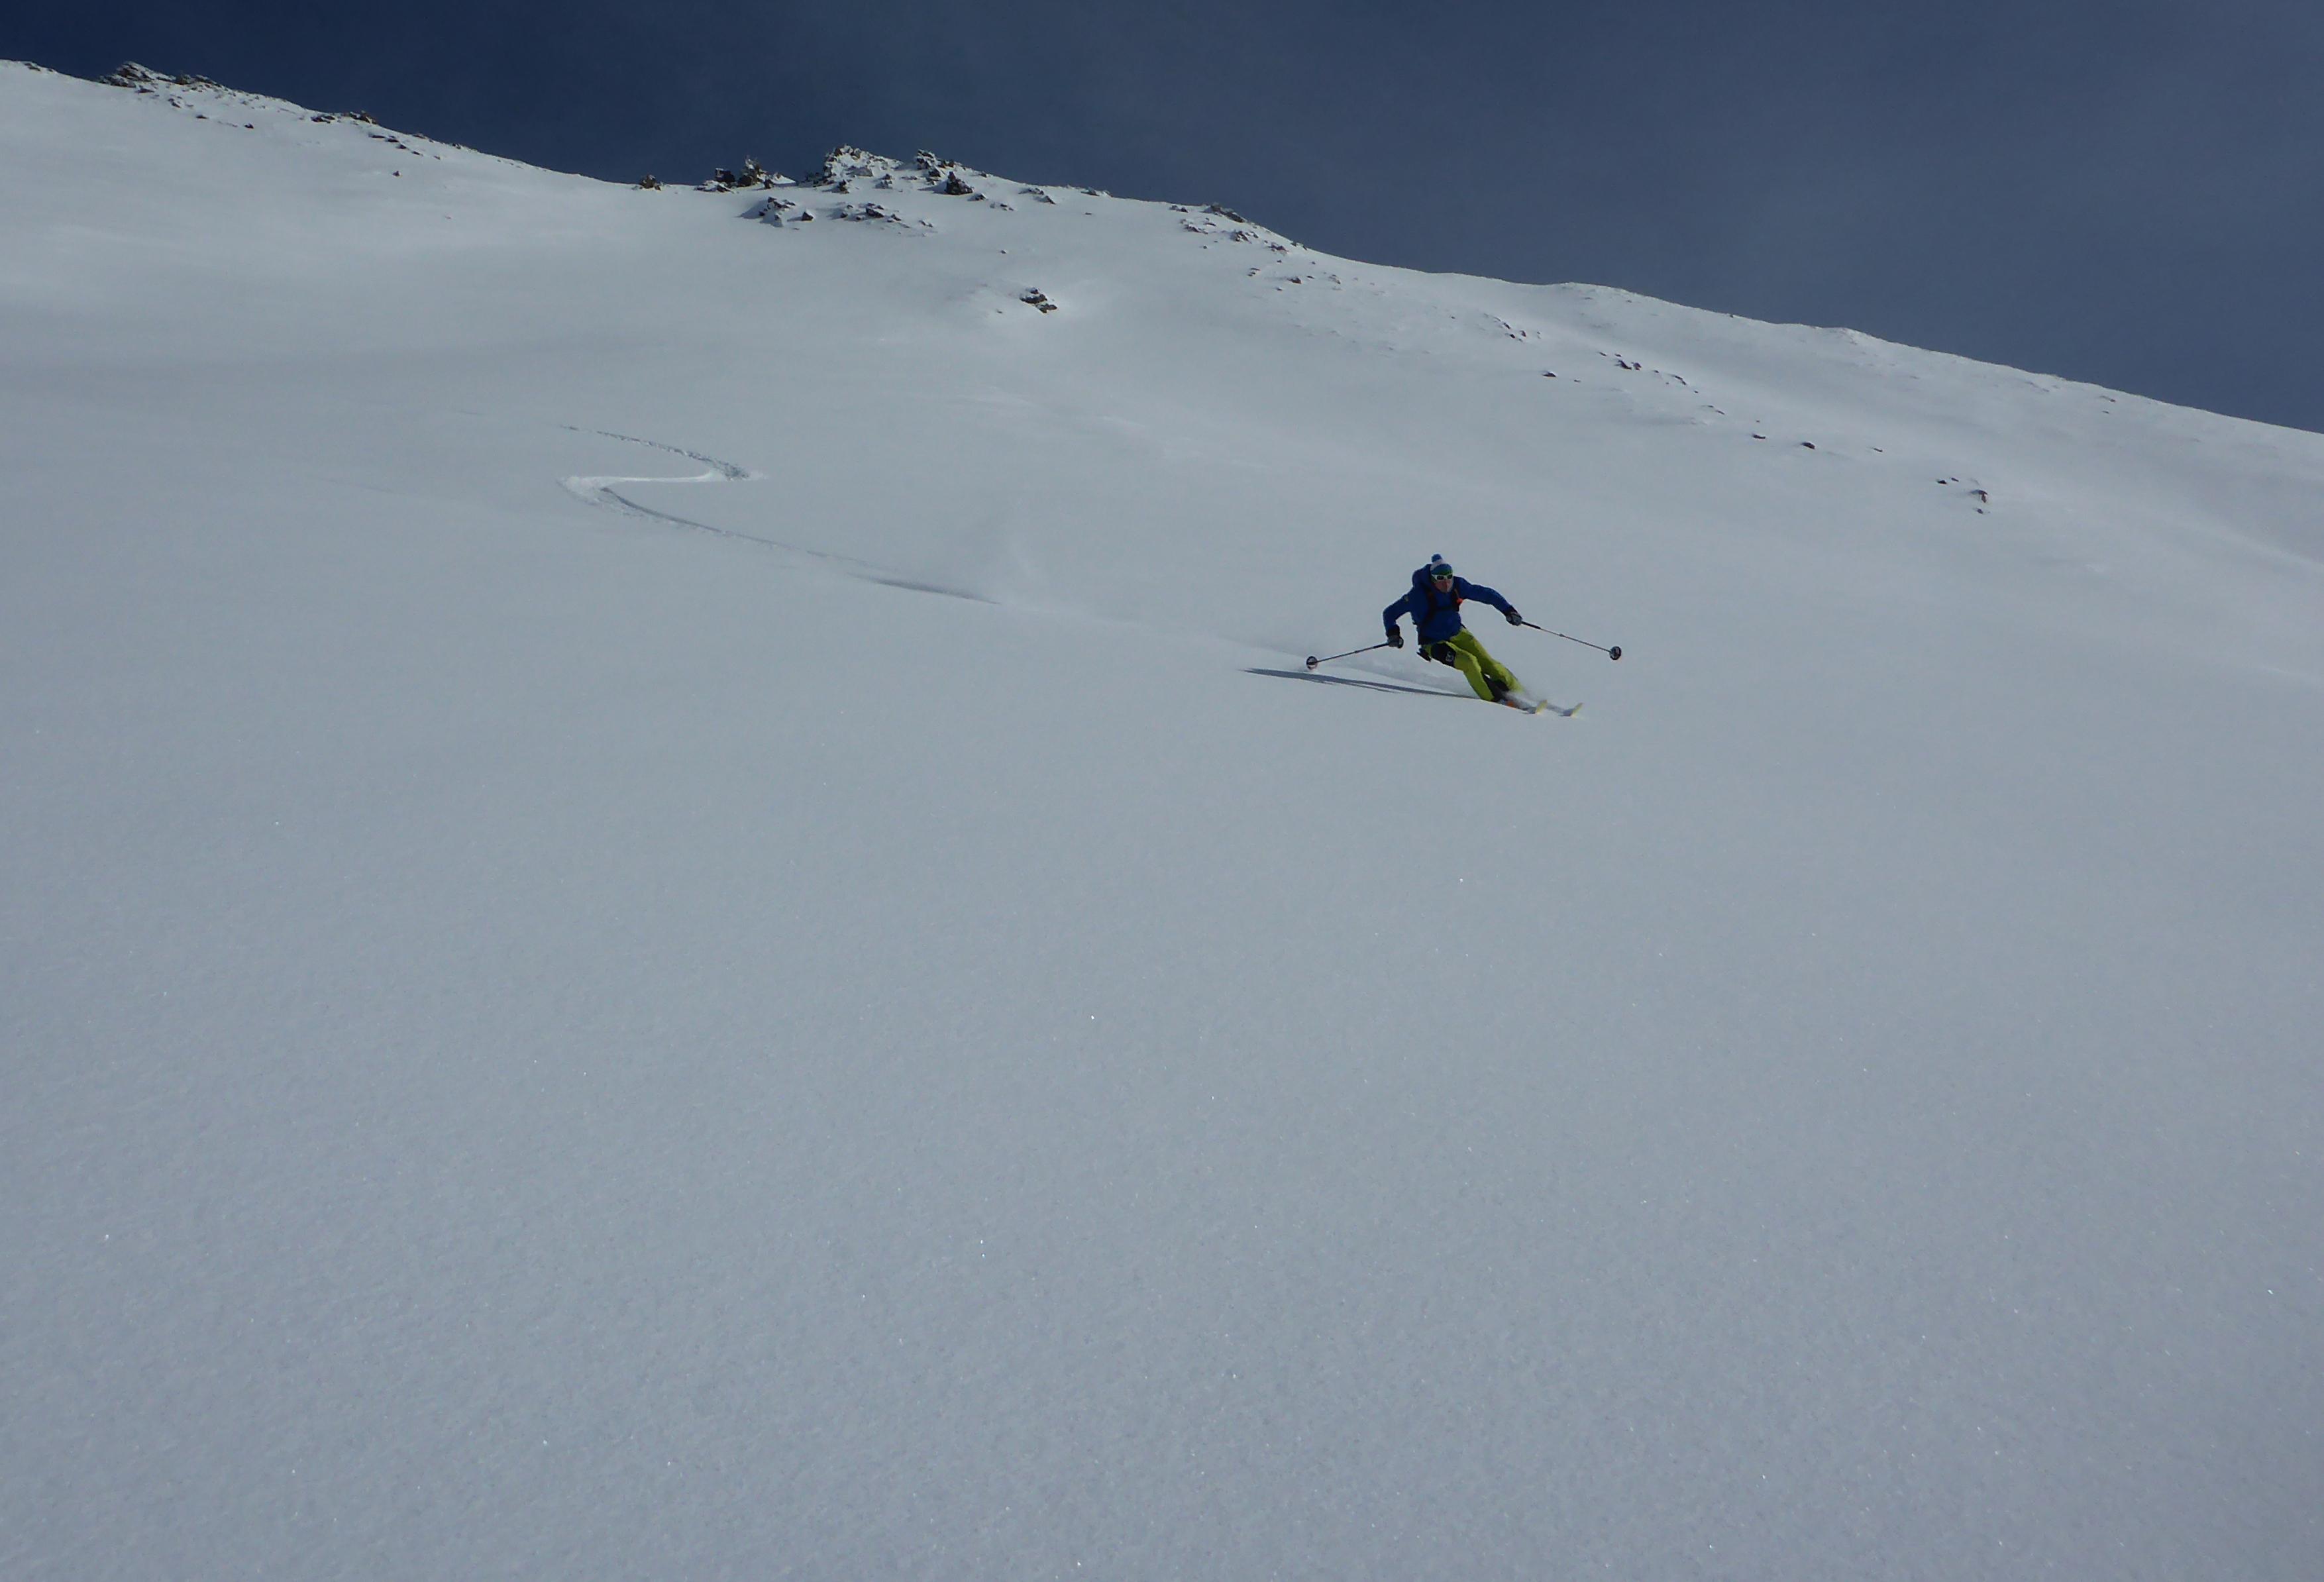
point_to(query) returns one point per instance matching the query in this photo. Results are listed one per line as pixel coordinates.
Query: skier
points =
(1434, 606)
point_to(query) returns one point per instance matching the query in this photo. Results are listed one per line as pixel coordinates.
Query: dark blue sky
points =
(2129, 193)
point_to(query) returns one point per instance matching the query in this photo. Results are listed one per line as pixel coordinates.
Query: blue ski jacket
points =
(1437, 616)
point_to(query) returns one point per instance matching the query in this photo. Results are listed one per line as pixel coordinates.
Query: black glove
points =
(1515, 618)
(1396, 637)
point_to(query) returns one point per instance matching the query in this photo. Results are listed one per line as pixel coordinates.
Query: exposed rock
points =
(873, 213)
(129, 74)
(752, 174)
(845, 163)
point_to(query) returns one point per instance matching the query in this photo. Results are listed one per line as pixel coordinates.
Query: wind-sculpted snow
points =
(594, 1031)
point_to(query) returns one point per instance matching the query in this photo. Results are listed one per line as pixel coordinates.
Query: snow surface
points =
(856, 1012)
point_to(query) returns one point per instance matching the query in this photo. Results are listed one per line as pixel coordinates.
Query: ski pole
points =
(1313, 661)
(1613, 653)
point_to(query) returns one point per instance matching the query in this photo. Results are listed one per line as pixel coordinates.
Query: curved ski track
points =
(601, 491)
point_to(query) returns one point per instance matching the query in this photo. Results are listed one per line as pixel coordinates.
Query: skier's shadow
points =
(1351, 681)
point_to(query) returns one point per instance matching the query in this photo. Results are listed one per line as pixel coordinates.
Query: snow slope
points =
(674, 903)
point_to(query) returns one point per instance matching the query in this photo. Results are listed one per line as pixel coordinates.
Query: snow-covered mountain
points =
(676, 904)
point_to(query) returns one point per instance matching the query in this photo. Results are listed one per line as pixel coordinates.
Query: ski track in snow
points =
(1562, 711)
(1368, 684)
(600, 491)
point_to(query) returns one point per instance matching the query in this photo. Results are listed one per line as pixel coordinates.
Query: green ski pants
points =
(1465, 654)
